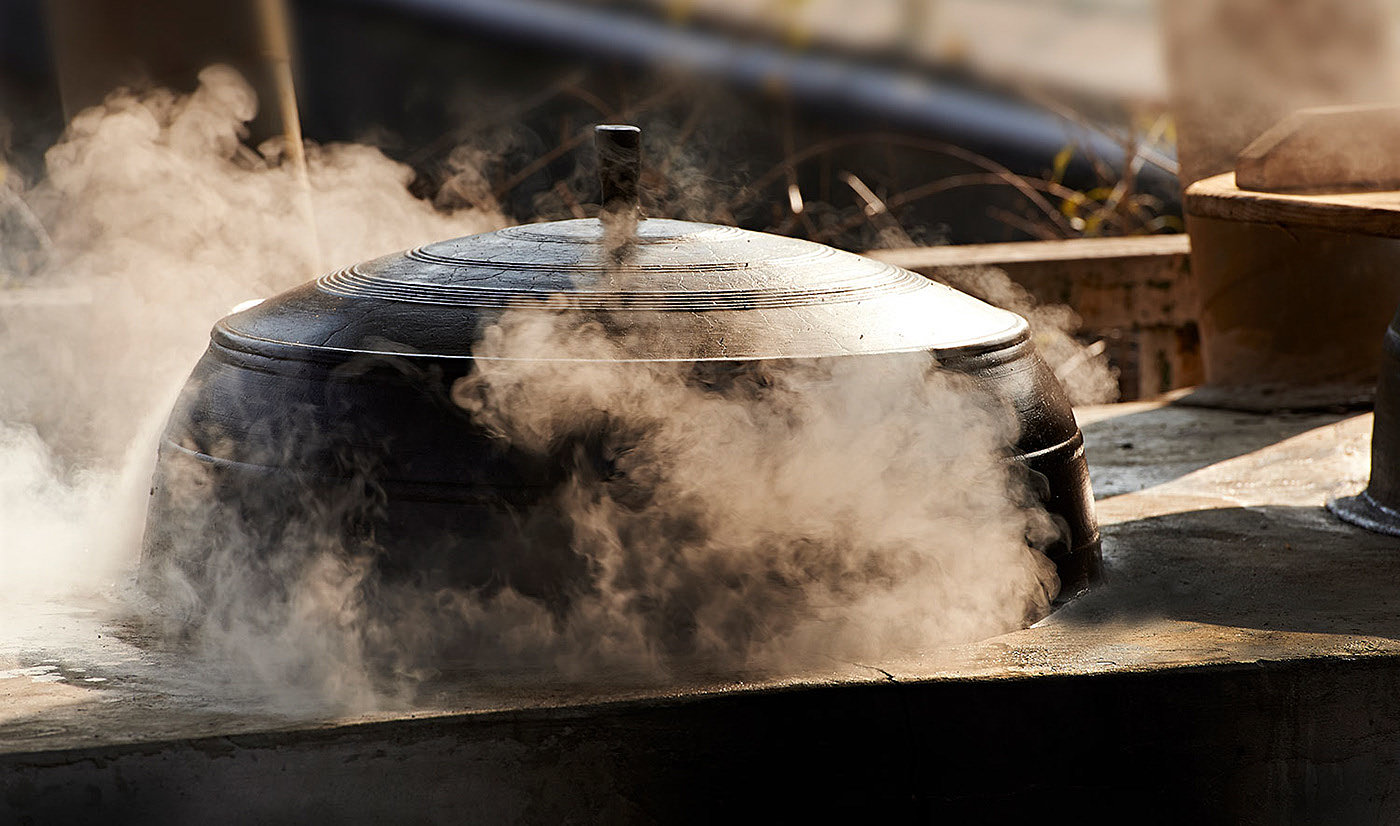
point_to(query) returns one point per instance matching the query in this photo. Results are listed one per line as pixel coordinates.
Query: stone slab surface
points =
(1241, 662)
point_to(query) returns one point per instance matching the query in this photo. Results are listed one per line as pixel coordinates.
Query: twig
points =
(579, 137)
(593, 100)
(27, 217)
(938, 147)
(875, 210)
(1017, 222)
(503, 114)
(522, 174)
(873, 205)
(945, 185)
(692, 122)
(567, 196)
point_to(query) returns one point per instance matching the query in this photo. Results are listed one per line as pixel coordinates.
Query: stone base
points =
(1241, 662)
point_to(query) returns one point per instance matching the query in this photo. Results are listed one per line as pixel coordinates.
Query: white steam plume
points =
(161, 221)
(850, 509)
(806, 512)
(1083, 371)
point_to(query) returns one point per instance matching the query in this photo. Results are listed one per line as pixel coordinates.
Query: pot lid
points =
(701, 291)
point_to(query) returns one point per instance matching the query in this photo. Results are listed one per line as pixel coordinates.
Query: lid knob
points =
(619, 148)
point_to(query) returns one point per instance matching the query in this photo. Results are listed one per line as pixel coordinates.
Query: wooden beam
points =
(1110, 282)
(1137, 294)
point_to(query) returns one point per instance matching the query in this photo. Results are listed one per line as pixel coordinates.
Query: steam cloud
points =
(847, 509)
(1083, 371)
(808, 511)
(152, 222)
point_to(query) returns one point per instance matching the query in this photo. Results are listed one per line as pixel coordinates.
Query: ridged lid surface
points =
(698, 291)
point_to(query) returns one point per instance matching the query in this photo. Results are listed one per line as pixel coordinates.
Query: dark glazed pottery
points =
(325, 413)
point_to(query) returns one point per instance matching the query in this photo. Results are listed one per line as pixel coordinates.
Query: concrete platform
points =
(1241, 664)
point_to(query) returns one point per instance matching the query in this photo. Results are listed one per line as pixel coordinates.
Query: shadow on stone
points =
(1139, 450)
(1272, 568)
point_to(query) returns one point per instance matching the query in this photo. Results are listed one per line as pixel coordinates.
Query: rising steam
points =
(849, 509)
(798, 513)
(1084, 372)
(157, 222)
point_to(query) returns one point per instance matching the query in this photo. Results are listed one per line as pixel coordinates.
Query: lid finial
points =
(619, 148)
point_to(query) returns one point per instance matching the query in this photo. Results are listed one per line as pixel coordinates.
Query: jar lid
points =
(700, 291)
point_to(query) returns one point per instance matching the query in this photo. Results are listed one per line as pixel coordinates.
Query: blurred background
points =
(862, 124)
(892, 127)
